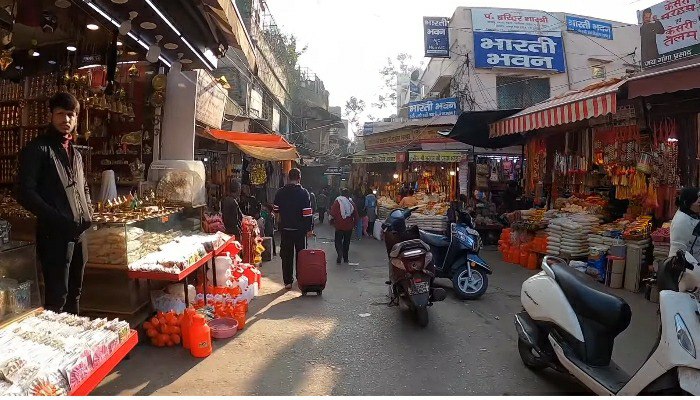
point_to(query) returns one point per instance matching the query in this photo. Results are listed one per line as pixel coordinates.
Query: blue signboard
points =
(433, 108)
(437, 37)
(517, 50)
(589, 27)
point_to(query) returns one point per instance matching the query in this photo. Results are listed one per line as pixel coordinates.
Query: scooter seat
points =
(589, 302)
(434, 240)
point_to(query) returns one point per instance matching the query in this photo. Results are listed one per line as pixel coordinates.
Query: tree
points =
(401, 65)
(354, 107)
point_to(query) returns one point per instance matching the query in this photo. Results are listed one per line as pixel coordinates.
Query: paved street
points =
(349, 342)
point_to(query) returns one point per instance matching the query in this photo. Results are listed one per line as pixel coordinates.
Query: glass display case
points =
(19, 283)
(117, 244)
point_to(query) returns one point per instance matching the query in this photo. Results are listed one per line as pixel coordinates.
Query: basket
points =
(223, 328)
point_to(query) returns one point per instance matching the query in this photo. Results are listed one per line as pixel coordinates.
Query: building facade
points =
(503, 59)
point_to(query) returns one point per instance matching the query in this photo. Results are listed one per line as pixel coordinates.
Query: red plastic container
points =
(185, 327)
(200, 337)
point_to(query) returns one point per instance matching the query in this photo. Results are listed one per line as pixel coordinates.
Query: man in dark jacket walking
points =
(53, 187)
(293, 205)
(231, 210)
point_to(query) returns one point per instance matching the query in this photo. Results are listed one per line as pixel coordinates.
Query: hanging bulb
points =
(154, 51)
(125, 27)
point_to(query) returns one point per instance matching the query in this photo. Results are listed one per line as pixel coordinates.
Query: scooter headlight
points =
(683, 336)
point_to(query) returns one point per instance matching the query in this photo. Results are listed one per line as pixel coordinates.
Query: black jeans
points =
(342, 244)
(321, 214)
(292, 242)
(63, 277)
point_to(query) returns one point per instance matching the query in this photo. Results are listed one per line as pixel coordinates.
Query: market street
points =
(331, 346)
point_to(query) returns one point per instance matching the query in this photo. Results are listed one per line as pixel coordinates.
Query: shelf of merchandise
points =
(107, 366)
(162, 276)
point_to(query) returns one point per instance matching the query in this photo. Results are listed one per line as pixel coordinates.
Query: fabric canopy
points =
(266, 147)
(671, 80)
(592, 101)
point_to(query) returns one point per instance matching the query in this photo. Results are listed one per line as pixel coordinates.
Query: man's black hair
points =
(294, 174)
(65, 101)
(647, 11)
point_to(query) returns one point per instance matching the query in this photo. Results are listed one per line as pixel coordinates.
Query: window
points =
(598, 72)
(516, 92)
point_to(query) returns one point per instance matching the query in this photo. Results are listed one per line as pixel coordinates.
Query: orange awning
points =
(266, 147)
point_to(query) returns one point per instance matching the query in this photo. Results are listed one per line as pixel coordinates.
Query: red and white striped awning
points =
(593, 101)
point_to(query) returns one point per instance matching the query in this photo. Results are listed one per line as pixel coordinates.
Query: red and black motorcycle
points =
(411, 267)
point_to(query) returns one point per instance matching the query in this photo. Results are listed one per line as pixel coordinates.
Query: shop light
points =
(102, 13)
(396, 176)
(52, 62)
(92, 27)
(160, 14)
(672, 140)
(35, 53)
(374, 191)
(415, 169)
(89, 66)
(119, 43)
(71, 48)
(452, 173)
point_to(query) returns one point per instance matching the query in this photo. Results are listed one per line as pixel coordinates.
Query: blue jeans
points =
(358, 228)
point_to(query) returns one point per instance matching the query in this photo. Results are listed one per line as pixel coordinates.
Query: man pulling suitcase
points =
(293, 206)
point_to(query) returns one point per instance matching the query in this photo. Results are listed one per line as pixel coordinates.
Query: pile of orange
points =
(164, 329)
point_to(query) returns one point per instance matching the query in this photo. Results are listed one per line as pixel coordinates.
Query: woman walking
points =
(344, 217)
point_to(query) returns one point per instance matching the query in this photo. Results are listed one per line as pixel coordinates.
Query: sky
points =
(349, 41)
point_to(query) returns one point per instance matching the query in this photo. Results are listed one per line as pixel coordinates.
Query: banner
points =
(669, 31)
(333, 171)
(434, 156)
(437, 37)
(522, 21)
(516, 50)
(433, 108)
(589, 27)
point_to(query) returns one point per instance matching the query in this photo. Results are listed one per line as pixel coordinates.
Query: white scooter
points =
(570, 325)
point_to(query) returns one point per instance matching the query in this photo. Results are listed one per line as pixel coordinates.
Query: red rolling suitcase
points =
(311, 271)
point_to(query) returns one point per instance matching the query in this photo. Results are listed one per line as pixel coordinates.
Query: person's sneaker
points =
(337, 260)
(288, 287)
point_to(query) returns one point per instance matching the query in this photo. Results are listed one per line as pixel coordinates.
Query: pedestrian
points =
(249, 204)
(371, 208)
(410, 200)
(293, 206)
(344, 214)
(322, 204)
(231, 210)
(269, 225)
(53, 187)
(359, 202)
(312, 197)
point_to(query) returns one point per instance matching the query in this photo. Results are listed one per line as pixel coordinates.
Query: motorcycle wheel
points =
(421, 314)
(470, 289)
(529, 358)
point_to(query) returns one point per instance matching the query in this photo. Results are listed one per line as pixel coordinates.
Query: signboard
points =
(589, 27)
(669, 31)
(375, 158)
(437, 37)
(517, 50)
(522, 21)
(434, 156)
(333, 171)
(433, 108)
(211, 100)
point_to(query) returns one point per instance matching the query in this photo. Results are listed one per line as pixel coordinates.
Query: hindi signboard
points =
(669, 31)
(589, 27)
(211, 101)
(434, 156)
(437, 37)
(375, 158)
(515, 21)
(516, 50)
(433, 108)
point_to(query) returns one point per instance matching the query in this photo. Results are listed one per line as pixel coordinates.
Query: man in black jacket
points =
(53, 187)
(293, 205)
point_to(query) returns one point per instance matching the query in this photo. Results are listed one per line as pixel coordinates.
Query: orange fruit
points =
(175, 338)
(155, 322)
(147, 325)
(169, 343)
(176, 330)
(164, 337)
(152, 333)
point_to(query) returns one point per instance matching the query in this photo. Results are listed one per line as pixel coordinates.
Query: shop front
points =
(145, 243)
